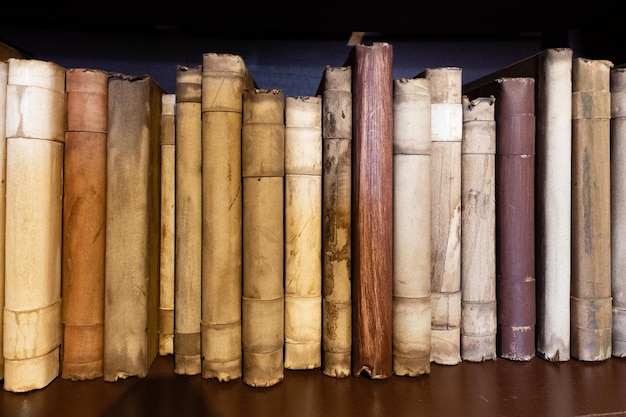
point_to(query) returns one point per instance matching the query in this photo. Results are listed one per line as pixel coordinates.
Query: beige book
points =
(188, 231)
(131, 305)
(4, 73)
(35, 135)
(224, 77)
(263, 171)
(303, 232)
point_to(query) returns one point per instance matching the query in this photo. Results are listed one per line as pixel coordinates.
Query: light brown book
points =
(591, 303)
(4, 73)
(224, 77)
(188, 231)
(263, 172)
(168, 224)
(372, 211)
(303, 232)
(411, 226)
(35, 136)
(131, 305)
(84, 207)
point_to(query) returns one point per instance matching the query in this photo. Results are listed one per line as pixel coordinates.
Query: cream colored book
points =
(4, 73)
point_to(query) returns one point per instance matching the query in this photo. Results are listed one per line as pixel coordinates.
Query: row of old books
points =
(376, 227)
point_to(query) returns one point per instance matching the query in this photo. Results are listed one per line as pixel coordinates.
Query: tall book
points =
(4, 78)
(372, 211)
(224, 78)
(263, 172)
(303, 232)
(168, 223)
(552, 71)
(131, 305)
(618, 215)
(478, 230)
(336, 92)
(591, 303)
(84, 209)
(411, 226)
(188, 231)
(447, 134)
(35, 136)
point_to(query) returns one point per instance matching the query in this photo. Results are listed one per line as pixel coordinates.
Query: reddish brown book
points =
(84, 209)
(372, 197)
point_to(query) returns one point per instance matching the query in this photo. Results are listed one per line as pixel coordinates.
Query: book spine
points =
(84, 205)
(478, 225)
(591, 303)
(263, 172)
(131, 304)
(4, 78)
(336, 232)
(303, 232)
(515, 233)
(411, 226)
(372, 211)
(35, 135)
(188, 214)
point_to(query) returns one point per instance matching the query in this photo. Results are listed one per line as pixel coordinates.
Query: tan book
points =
(411, 226)
(188, 231)
(84, 208)
(447, 133)
(168, 223)
(591, 302)
(35, 136)
(131, 305)
(478, 226)
(263, 172)
(224, 77)
(4, 78)
(303, 232)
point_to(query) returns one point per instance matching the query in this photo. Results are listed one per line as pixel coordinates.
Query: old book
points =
(478, 230)
(411, 226)
(4, 73)
(35, 136)
(447, 134)
(84, 207)
(372, 211)
(224, 77)
(168, 223)
(188, 230)
(551, 69)
(303, 232)
(591, 303)
(263, 172)
(131, 305)
(618, 215)
(336, 92)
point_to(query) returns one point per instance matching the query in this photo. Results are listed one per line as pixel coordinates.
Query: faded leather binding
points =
(131, 304)
(35, 136)
(591, 302)
(84, 207)
(411, 226)
(372, 209)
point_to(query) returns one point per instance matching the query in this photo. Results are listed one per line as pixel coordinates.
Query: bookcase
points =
(291, 54)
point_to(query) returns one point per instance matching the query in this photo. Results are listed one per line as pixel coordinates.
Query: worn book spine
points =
(35, 136)
(224, 78)
(447, 134)
(303, 232)
(591, 301)
(411, 226)
(478, 225)
(168, 223)
(4, 78)
(84, 206)
(131, 305)
(188, 226)
(515, 232)
(618, 212)
(336, 92)
(263, 172)
(372, 211)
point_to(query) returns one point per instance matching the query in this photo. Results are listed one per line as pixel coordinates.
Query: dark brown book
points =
(372, 211)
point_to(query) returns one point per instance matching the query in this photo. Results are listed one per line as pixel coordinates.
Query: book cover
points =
(4, 78)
